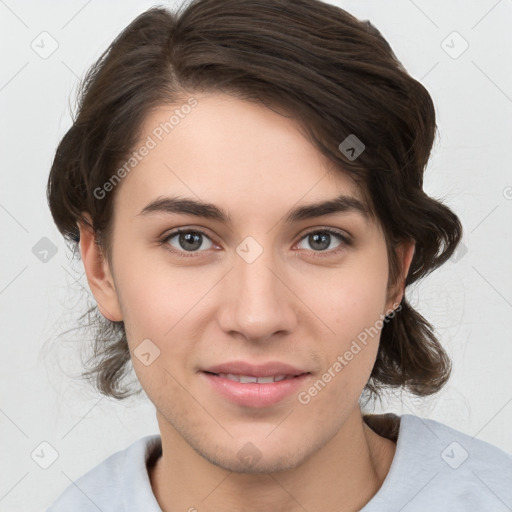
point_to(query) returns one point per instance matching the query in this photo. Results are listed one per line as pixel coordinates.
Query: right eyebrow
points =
(186, 206)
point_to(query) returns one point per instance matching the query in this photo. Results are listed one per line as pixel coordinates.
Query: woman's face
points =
(265, 291)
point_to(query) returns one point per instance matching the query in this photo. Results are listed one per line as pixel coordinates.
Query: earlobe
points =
(98, 273)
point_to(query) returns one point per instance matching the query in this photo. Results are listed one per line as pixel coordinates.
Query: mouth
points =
(255, 386)
(252, 379)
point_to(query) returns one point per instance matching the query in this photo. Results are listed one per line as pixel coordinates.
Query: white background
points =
(469, 300)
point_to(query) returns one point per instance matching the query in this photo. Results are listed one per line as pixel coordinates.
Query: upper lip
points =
(255, 370)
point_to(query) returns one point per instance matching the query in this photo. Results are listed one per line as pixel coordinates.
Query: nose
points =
(258, 301)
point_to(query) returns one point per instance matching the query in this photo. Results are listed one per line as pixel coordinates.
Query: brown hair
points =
(335, 74)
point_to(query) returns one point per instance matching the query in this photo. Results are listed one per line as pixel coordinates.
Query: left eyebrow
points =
(340, 204)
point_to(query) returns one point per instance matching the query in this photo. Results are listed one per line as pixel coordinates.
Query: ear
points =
(98, 273)
(404, 252)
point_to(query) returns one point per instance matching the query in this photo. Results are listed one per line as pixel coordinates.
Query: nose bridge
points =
(256, 279)
(260, 302)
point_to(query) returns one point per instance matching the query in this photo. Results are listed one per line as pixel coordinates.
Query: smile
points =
(248, 379)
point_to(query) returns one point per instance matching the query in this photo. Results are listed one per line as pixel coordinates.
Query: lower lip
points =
(253, 394)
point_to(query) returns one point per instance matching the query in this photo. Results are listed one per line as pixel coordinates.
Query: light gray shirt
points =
(435, 468)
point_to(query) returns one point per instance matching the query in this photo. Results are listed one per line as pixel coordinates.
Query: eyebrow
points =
(340, 204)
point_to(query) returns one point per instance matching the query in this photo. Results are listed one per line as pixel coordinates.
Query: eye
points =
(321, 241)
(182, 241)
(188, 242)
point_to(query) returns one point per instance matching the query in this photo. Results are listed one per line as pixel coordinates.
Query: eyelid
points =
(327, 229)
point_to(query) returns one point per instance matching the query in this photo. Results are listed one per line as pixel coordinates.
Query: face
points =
(257, 293)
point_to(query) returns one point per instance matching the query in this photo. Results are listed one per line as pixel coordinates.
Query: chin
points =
(251, 460)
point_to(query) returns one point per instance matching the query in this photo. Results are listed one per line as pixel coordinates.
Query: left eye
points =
(320, 241)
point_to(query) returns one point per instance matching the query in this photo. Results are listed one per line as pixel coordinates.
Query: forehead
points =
(233, 151)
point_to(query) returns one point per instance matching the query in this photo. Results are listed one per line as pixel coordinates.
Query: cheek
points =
(155, 296)
(162, 305)
(352, 298)
(352, 305)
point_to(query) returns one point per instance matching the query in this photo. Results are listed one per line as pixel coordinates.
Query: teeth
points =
(263, 380)
(245, 379)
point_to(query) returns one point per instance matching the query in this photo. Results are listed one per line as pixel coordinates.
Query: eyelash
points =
(344, 239)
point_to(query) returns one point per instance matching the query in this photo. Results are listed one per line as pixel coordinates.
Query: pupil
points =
(190, 238)
(320, 238)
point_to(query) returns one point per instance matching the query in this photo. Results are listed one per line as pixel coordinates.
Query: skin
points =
(294, 303)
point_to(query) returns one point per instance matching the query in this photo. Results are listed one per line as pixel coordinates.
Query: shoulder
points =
(120, 482)
(439, 467)
(458, 450)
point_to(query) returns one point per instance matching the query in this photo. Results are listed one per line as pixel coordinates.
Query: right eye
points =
(182, 241)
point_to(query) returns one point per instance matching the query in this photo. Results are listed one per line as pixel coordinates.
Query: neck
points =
(343, 475)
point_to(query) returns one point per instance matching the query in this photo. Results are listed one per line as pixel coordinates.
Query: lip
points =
(255, 394)
(256, 370)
